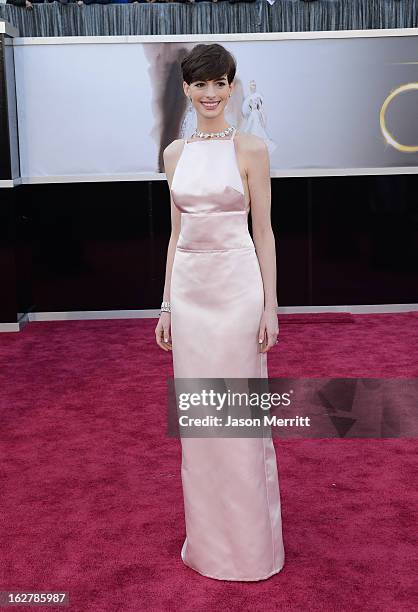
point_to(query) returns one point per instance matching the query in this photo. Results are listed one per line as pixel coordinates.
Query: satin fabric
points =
(230, 485)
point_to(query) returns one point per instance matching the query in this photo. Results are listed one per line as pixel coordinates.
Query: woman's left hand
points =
(269, 330)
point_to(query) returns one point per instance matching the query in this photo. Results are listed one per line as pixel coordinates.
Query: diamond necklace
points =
(213, 134)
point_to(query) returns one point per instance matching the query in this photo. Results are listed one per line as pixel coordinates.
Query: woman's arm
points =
(258, 173)
(258, 170)
(163, 331)
(171, 249)
(170, 156)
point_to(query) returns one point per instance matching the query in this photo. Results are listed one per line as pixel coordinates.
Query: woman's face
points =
(209, 98)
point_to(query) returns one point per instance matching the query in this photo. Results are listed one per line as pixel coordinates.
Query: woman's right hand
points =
(162, 331)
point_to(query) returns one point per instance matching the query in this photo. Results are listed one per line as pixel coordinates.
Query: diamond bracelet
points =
(165, 307)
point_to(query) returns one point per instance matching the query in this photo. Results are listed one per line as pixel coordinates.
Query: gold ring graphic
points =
(388, 136)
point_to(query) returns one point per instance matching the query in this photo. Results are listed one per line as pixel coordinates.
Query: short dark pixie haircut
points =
(208, 63)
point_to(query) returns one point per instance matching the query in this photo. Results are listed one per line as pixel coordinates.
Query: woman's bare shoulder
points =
(173, 148)
(250, 143)
(171, 154)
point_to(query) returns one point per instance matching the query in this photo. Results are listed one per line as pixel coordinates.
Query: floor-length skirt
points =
(230, 485)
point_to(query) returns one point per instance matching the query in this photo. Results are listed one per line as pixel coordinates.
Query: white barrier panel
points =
(104, 108)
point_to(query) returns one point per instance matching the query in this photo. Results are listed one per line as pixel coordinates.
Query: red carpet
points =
(91, 498)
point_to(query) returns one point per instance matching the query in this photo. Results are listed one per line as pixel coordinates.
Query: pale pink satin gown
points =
(230, 485)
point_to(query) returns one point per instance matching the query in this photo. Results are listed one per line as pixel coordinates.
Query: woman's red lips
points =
(210, 105)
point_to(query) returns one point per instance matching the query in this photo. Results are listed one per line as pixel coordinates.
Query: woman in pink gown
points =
(219, 318)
